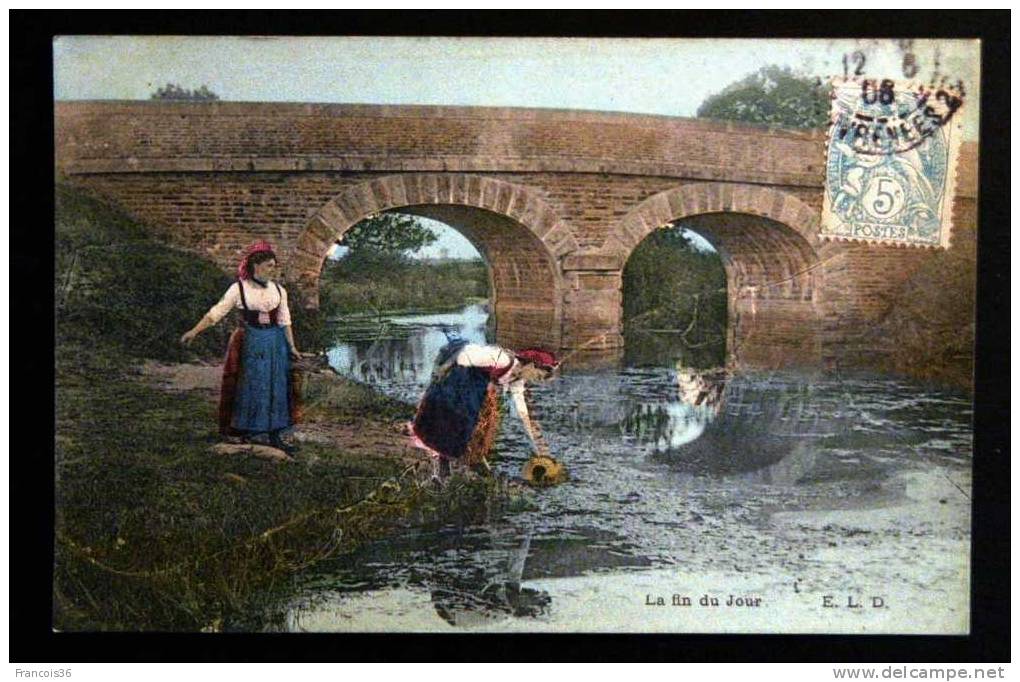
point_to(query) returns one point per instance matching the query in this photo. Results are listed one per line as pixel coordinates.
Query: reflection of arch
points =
(520, 235)
(767, 239)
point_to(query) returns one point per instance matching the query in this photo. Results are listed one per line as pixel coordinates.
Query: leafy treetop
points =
(392, 234)
(772, 95)
(173, 91)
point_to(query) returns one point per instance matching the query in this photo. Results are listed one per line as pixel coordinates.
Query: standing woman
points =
(458, 417)
(256, 395)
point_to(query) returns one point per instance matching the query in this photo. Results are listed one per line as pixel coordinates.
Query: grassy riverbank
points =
(154, 531)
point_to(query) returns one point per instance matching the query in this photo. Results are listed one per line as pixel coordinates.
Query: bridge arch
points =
(521, 237)
(768, 242)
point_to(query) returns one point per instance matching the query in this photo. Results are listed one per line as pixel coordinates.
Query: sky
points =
(652, 76)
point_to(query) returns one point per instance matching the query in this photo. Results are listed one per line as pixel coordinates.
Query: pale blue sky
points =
(652, 76)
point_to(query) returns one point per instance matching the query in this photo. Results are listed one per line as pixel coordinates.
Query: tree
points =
(674, 298)
(675, 236)
(173, 91)
(773, 95)
(392, 234)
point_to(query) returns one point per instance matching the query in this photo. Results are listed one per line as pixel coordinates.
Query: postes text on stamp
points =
(890, 165)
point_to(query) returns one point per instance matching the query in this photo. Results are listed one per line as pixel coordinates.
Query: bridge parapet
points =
(113, 137)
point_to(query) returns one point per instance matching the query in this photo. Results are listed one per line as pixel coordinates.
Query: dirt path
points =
(367, 435)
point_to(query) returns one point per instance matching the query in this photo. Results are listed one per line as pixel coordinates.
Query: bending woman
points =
(256, 395)
(458, 417)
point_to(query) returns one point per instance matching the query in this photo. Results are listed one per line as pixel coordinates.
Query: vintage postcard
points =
(457, 335)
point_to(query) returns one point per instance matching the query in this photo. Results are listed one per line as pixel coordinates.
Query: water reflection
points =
(475, 596)
(471, 578)
(398, 353)
(699, 422)
(726, 427)
(670, 425)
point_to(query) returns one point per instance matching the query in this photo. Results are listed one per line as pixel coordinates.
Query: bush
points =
(772, 95)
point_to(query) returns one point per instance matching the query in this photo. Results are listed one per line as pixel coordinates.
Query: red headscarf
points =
(258, 247)
(542, 359)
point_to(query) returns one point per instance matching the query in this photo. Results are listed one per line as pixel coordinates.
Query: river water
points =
(757, 502)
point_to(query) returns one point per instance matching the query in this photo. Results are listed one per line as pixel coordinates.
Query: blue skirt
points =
(261, 400)
(449, 413)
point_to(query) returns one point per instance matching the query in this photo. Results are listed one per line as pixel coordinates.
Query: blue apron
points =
(261, 400)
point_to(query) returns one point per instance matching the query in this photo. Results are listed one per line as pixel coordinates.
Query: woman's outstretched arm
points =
(530, 426)
(215, 314)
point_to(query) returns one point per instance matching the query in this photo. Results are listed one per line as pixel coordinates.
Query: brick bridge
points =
(554, 200)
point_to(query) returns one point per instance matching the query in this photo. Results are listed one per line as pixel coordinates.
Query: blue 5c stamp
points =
(892, 154)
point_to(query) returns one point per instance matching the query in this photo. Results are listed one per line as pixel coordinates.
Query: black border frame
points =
(31, 468)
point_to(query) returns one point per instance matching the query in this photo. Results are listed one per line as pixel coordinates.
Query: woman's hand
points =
(202, 325)
(289, 333)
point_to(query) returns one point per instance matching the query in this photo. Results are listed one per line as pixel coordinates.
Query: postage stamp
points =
(890, 165)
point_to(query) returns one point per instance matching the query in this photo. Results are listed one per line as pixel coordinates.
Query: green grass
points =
(149, 522)
(153, 530)
(118, 288)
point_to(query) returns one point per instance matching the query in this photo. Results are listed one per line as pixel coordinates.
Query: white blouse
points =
(261, 299)
(475, 355)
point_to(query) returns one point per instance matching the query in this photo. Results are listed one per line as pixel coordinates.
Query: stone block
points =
(380, 193)
(596, 262)
(332, 217)
(676, 203)
(599, 281)
(474, 190)
(395, 188)
(444, 189)
(713, 197)
(658, 210)
(726, 197)
(490, 194)
(311, 243)
(458, 189)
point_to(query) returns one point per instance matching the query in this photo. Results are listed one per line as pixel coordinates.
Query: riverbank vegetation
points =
(380, 282)
(674, 301)
(379, 272)
(155, 531)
